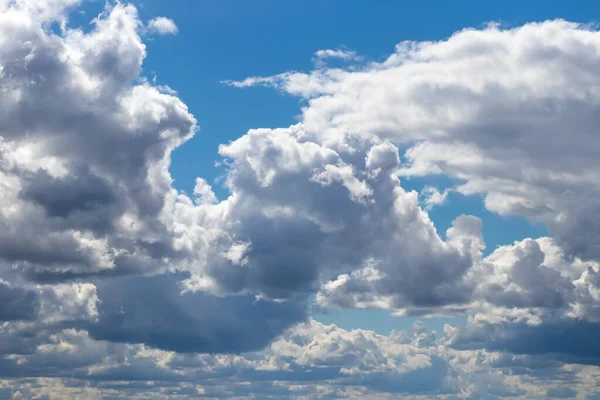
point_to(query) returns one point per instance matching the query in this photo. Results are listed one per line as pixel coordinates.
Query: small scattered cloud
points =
(432, 197)
(251, 81)
(342, 54)
(162, 26)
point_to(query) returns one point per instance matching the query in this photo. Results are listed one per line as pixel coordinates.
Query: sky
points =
(306, 200)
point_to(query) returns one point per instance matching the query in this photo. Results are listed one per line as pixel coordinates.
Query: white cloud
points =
(509, 114)
(432, 197)
(343, 207)
(162, 26)
(329, 53)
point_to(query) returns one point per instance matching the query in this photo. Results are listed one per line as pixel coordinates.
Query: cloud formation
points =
(162, 26)
(509, 113)
(115, 284)
(311, 360)
(505, 113)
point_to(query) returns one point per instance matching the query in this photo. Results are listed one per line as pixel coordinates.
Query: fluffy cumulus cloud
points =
(310, 212)
(162, 26)
(90, 221)
(113, 284)
(509, 114)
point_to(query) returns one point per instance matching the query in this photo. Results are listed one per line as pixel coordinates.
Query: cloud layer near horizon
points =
(114, 284)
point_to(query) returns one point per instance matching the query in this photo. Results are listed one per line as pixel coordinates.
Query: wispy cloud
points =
(343, 54)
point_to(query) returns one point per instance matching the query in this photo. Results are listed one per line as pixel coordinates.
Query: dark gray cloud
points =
(152, 311)
(78, 194)
(567, 340)
(17, 303)
(561, 393)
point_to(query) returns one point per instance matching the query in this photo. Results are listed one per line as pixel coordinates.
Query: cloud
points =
(91, 223)
(321, 56)
(17, 303)
(473, 107)
(381, 285)
(343, 54)
(131, 312)
(509, 113)
(162, 26)
(328, 210)
(310, 360)
(498, 105)
(533, 299)
(567, 340)
(115, 284)
(432, 197)
(561, 393)
(78, 199)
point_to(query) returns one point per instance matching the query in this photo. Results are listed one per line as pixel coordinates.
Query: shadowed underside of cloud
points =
(115, 285)
(17, 303)
(569, 340)
(152, 311)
